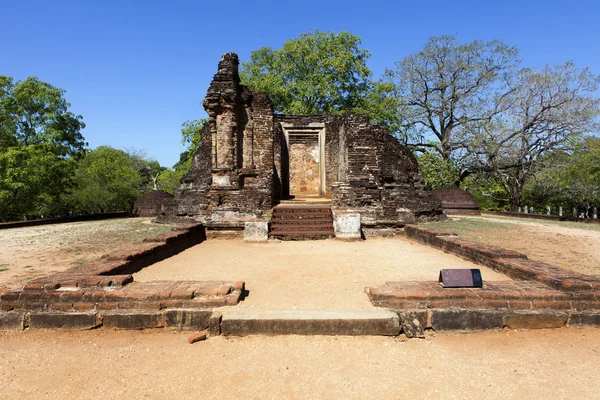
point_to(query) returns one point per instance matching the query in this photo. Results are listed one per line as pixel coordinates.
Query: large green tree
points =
(40, 141)
(105, 180)
(316, 73)
(569, 178)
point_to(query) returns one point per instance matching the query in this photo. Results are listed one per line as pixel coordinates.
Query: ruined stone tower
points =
(250, 159)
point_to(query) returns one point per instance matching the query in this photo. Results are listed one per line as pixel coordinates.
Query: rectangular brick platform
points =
(541, 296)
(511, 263)
(103, 293)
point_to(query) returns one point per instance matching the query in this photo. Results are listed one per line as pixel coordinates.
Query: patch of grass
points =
(28, 266)
(79, 262)
(3, 269)
(4, 265)
(564, 224)
(468, 226)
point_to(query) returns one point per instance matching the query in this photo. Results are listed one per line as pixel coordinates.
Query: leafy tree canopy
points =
(40, 141)
(106, 180)
(316, 73)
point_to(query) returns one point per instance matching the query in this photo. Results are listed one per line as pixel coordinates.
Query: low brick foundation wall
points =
(508, 262)
(540, 296)
(103, 293)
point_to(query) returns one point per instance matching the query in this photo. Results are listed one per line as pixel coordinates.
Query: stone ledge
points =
(245, 322)
(138, 319)
(468, 320)
(509, 295)
(12, 320)
(412, 323)
(57, 320)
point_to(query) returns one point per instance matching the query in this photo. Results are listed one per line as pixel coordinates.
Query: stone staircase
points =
(301, 222)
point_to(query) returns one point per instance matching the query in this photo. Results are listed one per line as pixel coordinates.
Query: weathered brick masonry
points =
(151, 204)
(104, 293)
(242, 168)
(541, 295)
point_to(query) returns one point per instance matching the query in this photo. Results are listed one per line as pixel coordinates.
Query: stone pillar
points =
(531, 210)
(519, 210)
(595, 212)
(547, 210)
(575, 215)
(222, 104)
(525, 210)
(560, 211)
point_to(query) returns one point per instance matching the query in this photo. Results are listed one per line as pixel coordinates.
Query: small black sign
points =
(460, 278)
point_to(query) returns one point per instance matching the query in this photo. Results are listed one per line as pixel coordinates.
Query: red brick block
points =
(84, 306)
(107, 306)
(148, 305)
(4, 306)
(71, 295)
(10, 296)
(117, 295)
(61, 306)
(197, 337)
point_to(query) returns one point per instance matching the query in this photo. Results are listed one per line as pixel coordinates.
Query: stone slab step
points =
(325, 232)
(310, 227)
(302, 221)
(303, 322)
(314, 214)
(288, 206)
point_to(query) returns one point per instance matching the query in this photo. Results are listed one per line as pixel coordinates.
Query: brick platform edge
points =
(103, 293)
(540, 296)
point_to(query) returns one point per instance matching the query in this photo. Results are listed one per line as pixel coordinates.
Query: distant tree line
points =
(472, 114)
(46, 168)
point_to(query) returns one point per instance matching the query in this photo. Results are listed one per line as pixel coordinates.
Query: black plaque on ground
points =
(460, 278)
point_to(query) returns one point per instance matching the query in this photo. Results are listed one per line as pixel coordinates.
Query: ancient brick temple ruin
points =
(251, 159)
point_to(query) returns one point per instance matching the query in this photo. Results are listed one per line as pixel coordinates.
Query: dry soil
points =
(104, 364)
(309, 275)
(35, 251)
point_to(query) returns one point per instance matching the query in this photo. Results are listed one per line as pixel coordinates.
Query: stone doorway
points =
(306, 159)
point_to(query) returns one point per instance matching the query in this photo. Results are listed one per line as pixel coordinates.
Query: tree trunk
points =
(515, 197)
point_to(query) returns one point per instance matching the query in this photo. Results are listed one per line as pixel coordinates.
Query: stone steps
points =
(300, 227)
(301, 222)
(302, 322)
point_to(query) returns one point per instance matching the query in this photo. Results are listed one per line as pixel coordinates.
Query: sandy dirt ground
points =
(573, 246)
(105, 364)
(309, 275)
(31, 252)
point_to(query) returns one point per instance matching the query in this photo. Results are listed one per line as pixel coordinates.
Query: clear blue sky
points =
(135, 70)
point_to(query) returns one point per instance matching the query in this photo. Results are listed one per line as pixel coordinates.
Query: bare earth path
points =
(309, 275)
(30, 252)
(103, 364)
(570, 245)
